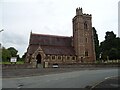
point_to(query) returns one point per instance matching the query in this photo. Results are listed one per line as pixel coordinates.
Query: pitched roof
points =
(57, 50)
(51, 44)
(50, 40)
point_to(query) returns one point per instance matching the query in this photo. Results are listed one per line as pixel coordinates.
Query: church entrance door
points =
(81, 59)
(38, 58)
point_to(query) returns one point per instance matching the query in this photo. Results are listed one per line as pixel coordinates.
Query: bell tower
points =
(83, 40)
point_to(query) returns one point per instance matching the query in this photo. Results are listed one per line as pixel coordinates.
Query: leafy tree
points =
(24, 55)
(105, 55)
(118, 53)
(113, 53)
(18, 57)
(96, 42)
(13, 51)
(8, 53)
(5, 54)
(109, 41)
(110, 36)
(110, 47)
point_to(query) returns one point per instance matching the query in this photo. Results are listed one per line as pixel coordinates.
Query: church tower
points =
(83, 40)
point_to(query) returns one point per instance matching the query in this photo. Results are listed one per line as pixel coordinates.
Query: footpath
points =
(15, 73)
(111, 83)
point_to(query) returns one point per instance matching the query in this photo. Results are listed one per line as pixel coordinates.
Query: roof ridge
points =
(51, 35)
(51, 45)
(54, 46)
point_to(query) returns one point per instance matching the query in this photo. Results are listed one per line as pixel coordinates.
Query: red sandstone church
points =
(53, 49)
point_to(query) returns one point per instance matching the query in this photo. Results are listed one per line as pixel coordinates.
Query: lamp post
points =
(1, 49)
(1, 30)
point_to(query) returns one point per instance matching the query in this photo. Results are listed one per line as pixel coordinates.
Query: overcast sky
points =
(19, 17)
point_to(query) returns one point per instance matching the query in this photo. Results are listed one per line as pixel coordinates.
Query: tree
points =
(8, 53)
(24, 55)
(18, 57)
(110, 36)
(13, 51)
(96, 42)
(118, 53)
(5, 54)
(104, 55)
(117, 43)
(113, 53)
(110, 47)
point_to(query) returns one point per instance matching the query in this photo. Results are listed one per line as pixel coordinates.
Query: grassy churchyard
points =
(112, 61)
(108, 61)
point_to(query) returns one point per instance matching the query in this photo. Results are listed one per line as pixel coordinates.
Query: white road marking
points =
(110, 77)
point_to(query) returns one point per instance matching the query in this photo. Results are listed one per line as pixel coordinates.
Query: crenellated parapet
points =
(87, 15)
(79, 11)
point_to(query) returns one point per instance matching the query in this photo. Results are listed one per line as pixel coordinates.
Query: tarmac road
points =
(110, 83)
(74, 79)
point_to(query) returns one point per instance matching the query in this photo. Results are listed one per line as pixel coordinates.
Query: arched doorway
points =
(38, 58)
(81, 59)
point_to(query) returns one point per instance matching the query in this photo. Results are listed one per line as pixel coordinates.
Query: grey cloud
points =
(53, 17)
(14, 38)
(17, 41)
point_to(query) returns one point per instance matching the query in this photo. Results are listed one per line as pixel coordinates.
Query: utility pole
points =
(1, 48)
(1, 30)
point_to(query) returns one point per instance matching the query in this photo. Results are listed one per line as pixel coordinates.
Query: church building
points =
(52, 49)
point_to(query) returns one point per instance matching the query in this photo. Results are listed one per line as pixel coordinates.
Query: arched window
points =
(85, 25)
(68, 57)
(86, 53)
(73, 58)
(59, 57)
(53, 57)
(86, 40)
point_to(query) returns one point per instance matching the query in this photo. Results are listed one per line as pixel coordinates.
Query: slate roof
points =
(51, 44)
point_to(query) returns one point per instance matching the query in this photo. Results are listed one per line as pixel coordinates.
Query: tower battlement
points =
(87, 15)
(79, 11)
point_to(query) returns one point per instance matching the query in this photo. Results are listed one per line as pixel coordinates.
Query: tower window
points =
(86, 53)
(85, 25)
(86, 40)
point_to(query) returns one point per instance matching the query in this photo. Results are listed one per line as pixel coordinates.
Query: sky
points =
(19, 17)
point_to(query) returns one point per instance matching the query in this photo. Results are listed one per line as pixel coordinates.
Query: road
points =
(74, 79)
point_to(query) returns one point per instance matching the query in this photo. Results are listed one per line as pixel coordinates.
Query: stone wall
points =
(84, 65)
(15, 66)
(61, 65)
